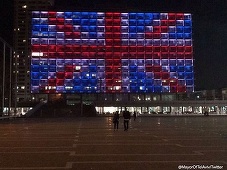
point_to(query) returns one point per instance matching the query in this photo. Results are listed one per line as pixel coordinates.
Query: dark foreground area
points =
(151, 143)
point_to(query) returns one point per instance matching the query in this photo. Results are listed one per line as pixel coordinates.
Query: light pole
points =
(5, 44)
(3, 76)
(10, 79)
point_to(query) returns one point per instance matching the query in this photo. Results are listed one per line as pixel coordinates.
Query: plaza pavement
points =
(151, 143)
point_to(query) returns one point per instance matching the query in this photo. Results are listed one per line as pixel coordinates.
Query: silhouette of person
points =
(116, 120)
(127, 116)
(134, 115)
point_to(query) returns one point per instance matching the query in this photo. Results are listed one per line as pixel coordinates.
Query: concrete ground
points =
(151, 143)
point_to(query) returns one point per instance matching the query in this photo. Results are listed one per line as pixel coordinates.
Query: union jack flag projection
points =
(111, 52)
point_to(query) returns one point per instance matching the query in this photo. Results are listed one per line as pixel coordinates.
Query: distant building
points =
(22, 32)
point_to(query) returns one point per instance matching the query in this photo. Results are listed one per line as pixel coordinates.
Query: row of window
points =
(107, 49)
(96, 39)
(163, 32)
(109, 42)
(111, 89)
(137, 76)
(101, 62)
(109, 82)
(112, 56)
(133, 71)
(109, 29)
(115, 35)
(112, 68)
(110, 15)
(108, 22)
(84, 82)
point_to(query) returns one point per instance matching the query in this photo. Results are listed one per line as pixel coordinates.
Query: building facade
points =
(22, 55)
(140, 61)
(111, 52)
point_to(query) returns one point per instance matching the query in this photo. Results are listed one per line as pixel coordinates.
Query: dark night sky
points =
(209, 29)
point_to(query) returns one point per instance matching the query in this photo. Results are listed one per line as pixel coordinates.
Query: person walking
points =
(134, 115)
(116, 120)
(127, 116)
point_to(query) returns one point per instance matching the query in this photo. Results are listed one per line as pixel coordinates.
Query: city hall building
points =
(142, 61)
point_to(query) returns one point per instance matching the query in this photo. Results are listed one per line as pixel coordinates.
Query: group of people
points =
(126, 117)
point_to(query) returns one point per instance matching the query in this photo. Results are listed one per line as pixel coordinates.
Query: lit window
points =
(68, 88)
(78, 67)
(36, 54)
(117, 87)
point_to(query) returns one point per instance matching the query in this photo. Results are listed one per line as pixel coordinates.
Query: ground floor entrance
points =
(169, 110)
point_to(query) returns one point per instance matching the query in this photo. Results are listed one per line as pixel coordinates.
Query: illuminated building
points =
(103, 56)
(111, 52)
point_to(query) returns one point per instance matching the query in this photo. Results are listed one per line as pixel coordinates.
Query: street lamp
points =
(5, 44)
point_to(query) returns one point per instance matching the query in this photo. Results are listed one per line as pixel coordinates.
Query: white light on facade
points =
(68, 88)
(117, 87)
(77, 68)
(141, 87)
(37, 54)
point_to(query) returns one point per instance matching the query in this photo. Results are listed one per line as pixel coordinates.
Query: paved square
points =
(159, 143)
